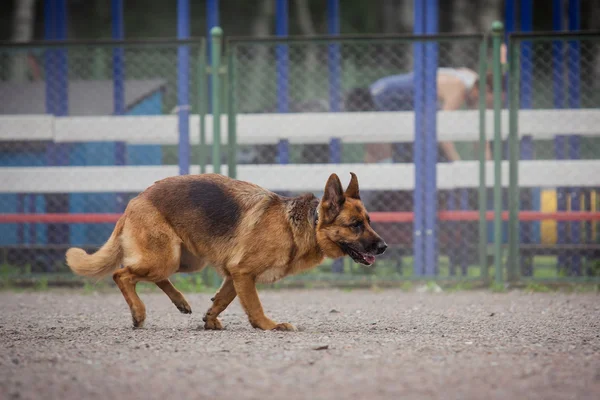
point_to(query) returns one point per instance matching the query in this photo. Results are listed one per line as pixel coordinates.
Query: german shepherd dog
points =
(248, 234)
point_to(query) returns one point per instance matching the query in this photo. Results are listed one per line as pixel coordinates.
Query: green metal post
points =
(231, 115)
(216, 34)
(482, 145)
(202, 102)
(497, 33)
(513, 194)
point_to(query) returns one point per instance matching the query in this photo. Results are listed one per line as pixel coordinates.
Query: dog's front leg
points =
(222, 299)
(245, 286)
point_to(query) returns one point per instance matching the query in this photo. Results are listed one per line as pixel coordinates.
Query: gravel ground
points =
(350, 345)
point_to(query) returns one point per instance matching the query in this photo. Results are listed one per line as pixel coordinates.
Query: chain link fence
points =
(300, 105)
(66, 108)
(558, 94)
(373, 79)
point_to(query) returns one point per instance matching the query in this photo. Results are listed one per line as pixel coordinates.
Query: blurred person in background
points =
(457, 88)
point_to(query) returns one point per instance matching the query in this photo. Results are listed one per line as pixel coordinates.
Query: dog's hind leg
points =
(222, 299)
(175, 295)
(126, 281)
(150, 255)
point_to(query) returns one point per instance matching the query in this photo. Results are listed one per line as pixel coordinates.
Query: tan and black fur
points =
(249, 234)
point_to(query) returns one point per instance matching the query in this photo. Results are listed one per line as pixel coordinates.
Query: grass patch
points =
(498, 287)
(534, 287)
(41, 284)
(190, 283)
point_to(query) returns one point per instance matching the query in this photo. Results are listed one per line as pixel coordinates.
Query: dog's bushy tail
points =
(102, 262)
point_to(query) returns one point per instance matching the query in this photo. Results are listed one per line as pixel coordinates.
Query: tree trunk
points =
(23, 20)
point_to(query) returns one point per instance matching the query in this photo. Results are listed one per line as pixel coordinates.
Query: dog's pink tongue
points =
(370, 259)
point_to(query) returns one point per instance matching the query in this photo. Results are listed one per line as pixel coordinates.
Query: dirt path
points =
(386, 345)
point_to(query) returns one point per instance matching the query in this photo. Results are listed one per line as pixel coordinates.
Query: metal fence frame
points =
(516, 54)
(226, 78)
(429, 211)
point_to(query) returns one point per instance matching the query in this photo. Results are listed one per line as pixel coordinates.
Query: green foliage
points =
(498, 287)
(535, 287)
(41, 284)
(190, 283)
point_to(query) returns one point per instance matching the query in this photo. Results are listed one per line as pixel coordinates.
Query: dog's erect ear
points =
(352, 189)
(333, 198)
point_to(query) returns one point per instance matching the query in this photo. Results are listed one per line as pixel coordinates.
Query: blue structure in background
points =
(283, 99)
(430, 187)
(183, 82)
(118, 33)
(425, 144)
(76, 154)
(558, 100)
(281, 29)
(527, 195)
(573, 62)
(212, 20)
(334, 57)
(419, 142)
(57, 103)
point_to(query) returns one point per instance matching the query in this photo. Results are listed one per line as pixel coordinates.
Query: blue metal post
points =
(509, 10)
(283, 151)
(419, 142)
(335, 145)
(574, 140)
(282, 56)
(118, 33)
(333, 24)
(335, 151)
(183, 65)
(559, 140)
(212, 20)
(335, 157)
(49, 56)
(51, 100)
(526, 228)
(430, 86)
(62, 61)
(452, 227)
(57, 103)
(281, 28)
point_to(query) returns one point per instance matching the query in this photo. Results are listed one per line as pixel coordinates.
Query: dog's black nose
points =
(381, 247)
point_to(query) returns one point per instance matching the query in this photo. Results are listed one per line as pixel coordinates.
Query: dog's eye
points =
(356, 224)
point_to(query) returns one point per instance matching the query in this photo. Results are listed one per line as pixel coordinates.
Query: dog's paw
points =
(184, 308)
(138, 324)
(284, 326)
(213, 324)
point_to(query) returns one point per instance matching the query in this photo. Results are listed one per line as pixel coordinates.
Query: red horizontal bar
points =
(65, 218)
(474, 216)
(68, 218)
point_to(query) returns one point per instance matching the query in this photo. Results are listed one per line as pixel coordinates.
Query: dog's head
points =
(344, 226)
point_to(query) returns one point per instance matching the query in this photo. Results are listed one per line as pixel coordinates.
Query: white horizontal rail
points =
(26, 127)
(297, 177)
(374, 127)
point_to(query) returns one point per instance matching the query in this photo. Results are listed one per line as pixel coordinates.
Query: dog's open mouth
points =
(359, 257)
